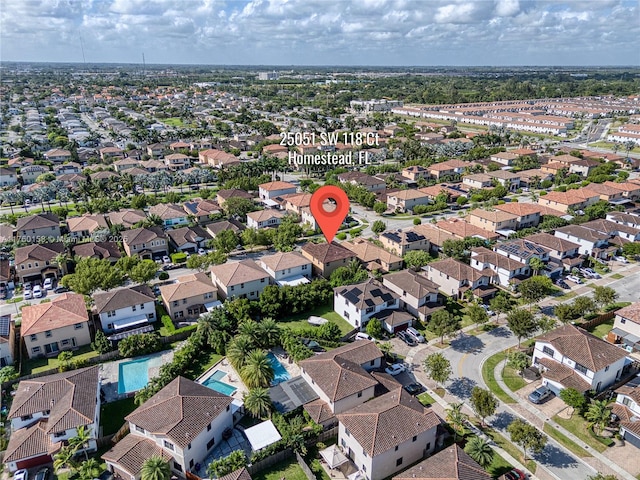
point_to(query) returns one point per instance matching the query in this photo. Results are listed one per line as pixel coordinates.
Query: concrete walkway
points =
(604, 462)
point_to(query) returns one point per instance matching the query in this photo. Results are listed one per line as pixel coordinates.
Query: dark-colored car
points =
(540, 394)
(413, 388)
(406, 338)
(60, 289)
(43, 474)
(562, 284)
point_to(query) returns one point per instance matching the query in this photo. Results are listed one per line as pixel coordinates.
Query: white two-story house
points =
(454, 278)
(418, 295)
(388, 434)
(243, 279)
(268, 218)
(592, 243)
(508, 270)
(561, 251)
(47, 411)
(358, 303)
(125, 308)
(287, 268)
(627, 409)
(571, 357)
(626, 328)
(182, 423)
(341, 379)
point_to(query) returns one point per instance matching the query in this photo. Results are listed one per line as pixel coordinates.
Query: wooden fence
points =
(270, 461)
(599, 320)
(305, 468)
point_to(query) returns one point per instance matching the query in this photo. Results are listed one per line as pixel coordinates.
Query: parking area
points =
(550, 407)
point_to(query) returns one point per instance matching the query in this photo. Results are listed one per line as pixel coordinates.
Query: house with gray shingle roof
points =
(47, 411)
(571, 357)
(183, 422)
(358, 303)
(388, 433)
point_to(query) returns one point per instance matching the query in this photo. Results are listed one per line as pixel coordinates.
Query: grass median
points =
(565, 441)
(488, 367)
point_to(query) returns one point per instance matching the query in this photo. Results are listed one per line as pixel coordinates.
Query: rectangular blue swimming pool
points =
(133, 375)
(213, 382)
(280, 373)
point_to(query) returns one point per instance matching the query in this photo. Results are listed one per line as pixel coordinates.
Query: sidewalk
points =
(540, 416)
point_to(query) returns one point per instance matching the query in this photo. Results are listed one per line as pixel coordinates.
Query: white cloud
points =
(507, 8)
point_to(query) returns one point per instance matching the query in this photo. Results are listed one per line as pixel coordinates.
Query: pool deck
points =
(231, 378)
(109, 373)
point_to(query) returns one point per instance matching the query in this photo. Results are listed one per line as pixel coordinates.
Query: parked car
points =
(43, 474)
(562, 284)
(202, 251)
(621, 259)
(27, 286)
(515, 474)
(28, 295)
(574, 279)
(414, 388)
(395, 369)
(363, 336)
(22, 474)
(490, 312)
(406, 338)
(60, 289)
(3, 292)
(589, 273)
(417, 336)
(166, 259)
(37, 292)
(48, 284)
(540, 394)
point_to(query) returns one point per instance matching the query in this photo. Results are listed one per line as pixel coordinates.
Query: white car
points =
(363, 336)
(574, 279)
(166, 259)
(37, 292)
(21, 475)
(202, 251)
(395, 369)
(48, 284)
(621, 259)
(490, 312)
(415, 334)
(28, 295)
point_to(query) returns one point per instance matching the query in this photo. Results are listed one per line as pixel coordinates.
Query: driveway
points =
(550, 407)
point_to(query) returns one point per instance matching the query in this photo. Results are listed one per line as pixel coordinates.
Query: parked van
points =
(415, 334)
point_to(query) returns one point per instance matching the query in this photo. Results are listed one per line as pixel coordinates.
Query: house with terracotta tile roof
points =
(223, 195)
(85, 225)
(201, 209)
(527, 214)
(127, 217)
(295, 202)
(508, 270)
(496, 221)
(560, 250)
(454, 278)
(49, 328)
(629, 190)
(326, 257)
(418, 295)
(592, 243)
(358, 303)
(171, 214)
(188, 239)
(34, 227)
(627, 409)
(182, 423)
(571, 357)
(462, 229)
(47, 411)
(38, 261)
(100, 250)
(122, 309)
(406, 200)
(434, 235)
(400, 242)
(626, 328)
(509, 180)
(218, 158)
(270, 190)
(373, 257)
(504, 158)
(388, 433)
(146, 242)
(341, 378)
(571, 199)
(189, 297)
(268, 218)
(287, 268)
(244, 279)
(608, 193)
(478, 181)
(451, 463)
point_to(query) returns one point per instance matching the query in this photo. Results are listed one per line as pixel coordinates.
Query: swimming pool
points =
(280, 373)
(214, 383)
(134, 374)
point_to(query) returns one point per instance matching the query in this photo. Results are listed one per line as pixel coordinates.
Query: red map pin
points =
(329, 221)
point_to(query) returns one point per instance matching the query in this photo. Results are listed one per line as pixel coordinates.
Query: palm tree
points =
(89, 469)
(457, 419)
(81, 439)
(64, 459)
(599, 415)
(536, 265)
(257, 370)
(155, 468)
(238, 350)
(480, 451)
(258, 402)
(267, 333)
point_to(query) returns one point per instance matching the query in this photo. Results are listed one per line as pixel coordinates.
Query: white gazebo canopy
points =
(262, 435)
(333, 456)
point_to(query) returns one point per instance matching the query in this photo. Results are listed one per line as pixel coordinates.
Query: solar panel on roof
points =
(4, 325)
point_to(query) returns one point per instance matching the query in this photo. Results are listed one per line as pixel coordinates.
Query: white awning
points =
(262, 435)
(270, 203)
(129, 322)
(212, 305)
(293, 281)
(333, 456)
(505, 232)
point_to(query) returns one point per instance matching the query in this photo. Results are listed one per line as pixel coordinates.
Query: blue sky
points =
(324, 32)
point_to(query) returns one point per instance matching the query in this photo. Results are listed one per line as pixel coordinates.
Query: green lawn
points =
(578, 426)
(202, 364)
(565, 441)
(512, 379)
(566, 296)
(602, 329)
(511, 449)
(324, 311)
(112, 414)
(289, 470)
(617, 276)
(426, 399)
(487, 374)
(499, 466)
(173, 121)
(36, 365)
